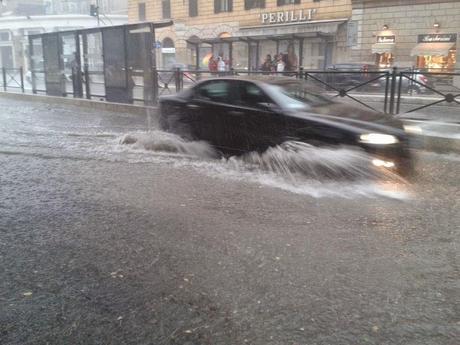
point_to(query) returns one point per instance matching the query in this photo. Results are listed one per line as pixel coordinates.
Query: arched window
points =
(168, 52)
(167, 43)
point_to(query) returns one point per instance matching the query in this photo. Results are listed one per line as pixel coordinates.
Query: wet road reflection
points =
(114, 232)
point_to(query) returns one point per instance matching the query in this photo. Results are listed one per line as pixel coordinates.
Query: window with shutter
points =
(141, 11)
(223, 6)
(193, 8)
(166, 7)
(250, 4)
(287, 2)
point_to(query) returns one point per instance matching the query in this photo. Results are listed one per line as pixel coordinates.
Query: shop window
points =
(193, 8)
(166, 8)
(385, 60)
(141, 11)
(250, 4)
(314, 54)
(287, 2)
(438, 63)
(223, 6)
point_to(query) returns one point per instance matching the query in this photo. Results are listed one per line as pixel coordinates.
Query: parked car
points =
(254, 113)
(415, 86)
(349, 75)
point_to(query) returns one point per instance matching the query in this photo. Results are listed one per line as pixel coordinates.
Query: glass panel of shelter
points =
(240, 56)
(93, 65)
(223, 50)
(37, 69)
(70, 64)
(54, 74)
(139, 41)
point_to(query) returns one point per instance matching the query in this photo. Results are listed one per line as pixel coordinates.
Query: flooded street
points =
(113, 232)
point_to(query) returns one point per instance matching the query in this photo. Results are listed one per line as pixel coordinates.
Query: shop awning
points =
(432, 49)
(380, 48)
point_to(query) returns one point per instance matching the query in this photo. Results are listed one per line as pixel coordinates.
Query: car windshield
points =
(298, 95)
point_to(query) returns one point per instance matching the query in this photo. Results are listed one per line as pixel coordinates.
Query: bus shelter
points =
(112, 63)
(248, 52)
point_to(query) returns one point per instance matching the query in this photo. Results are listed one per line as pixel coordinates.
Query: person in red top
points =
(212, 64)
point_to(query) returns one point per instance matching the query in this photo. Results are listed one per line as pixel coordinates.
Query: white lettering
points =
(280, 18)
(264, 18)
(288, 16)
(302, 16)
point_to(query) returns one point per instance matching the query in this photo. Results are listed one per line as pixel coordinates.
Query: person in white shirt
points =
(280, 65)
(221, 64)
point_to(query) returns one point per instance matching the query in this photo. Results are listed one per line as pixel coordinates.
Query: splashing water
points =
(297, 160)
(167, 142)
(293, 166)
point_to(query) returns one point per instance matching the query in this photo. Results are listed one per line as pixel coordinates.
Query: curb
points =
(79, 102)
(438, 137)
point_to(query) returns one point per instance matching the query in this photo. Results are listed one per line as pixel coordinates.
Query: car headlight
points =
(378, 139)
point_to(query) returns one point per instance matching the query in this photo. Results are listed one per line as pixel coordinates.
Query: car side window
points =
(215, 91)
(252, 95)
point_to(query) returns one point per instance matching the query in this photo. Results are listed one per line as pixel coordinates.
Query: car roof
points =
(266, 79)
(259, 78)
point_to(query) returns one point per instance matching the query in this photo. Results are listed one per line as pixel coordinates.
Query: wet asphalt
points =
(102, 245)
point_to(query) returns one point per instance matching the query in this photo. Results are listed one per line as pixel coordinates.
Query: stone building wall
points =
(405, 20)
(210, 25)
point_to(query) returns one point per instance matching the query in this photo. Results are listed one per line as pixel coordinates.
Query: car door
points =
(215, 117)
(264, 122)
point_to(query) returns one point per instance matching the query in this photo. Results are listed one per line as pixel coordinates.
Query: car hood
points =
(361, 120)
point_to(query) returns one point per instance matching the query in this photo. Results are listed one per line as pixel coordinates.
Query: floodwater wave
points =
(294, 166)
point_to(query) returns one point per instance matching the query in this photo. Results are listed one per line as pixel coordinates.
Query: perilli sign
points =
(287, 17)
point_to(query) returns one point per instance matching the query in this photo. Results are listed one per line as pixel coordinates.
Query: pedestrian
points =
(280, 64)
(221, 67)
(212, 64)
(267, 65)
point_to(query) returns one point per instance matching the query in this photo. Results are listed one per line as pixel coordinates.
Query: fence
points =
(392, 91)
(13, 79)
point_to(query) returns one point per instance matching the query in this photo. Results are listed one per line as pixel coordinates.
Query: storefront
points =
(308, 44)
(384, 51)
(436, 52)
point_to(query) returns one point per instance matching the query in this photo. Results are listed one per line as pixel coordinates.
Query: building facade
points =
(314, 32)
(411, 33)
(60, 7)
(14, 32)
(390, 33)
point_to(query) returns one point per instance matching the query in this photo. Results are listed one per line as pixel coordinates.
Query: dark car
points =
(241, 115)
(367, 77)
(353, 75)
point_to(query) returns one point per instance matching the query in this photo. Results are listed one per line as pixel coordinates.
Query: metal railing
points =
(438, 85)
(13, 78)
(390, 91)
